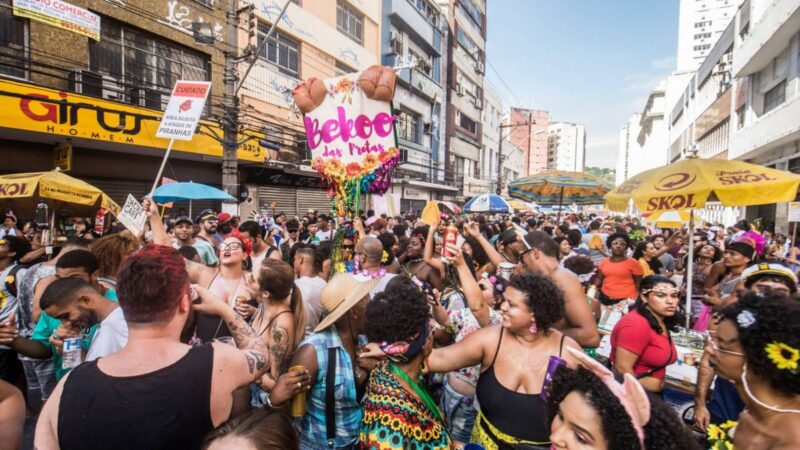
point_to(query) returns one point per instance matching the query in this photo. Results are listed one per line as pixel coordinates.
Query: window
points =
(427, 10)
(281, 50)
(468, 44)
(145, 64)
(473, 12)
(775, 97)
(702, 35)
(466, 123)
(343, 69)
(13, 43)
(349, 22)
(460, 169)
(408, 126)
(469, 87)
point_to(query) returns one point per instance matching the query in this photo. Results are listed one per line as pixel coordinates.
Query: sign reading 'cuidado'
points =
(184, 109)
(60, 14)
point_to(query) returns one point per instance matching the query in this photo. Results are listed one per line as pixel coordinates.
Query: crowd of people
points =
(378, 332)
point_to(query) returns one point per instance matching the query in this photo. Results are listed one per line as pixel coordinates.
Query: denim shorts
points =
(459, 413)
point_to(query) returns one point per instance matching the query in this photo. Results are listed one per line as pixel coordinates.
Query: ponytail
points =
(298, 311)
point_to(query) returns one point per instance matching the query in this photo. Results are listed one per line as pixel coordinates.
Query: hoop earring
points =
(533, 328)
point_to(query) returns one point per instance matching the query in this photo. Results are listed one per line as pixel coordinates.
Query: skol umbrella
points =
(690, 183)
(490, 203)
(22, 191)
(189, 190)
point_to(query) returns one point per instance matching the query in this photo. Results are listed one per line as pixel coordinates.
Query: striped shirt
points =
(348, 408)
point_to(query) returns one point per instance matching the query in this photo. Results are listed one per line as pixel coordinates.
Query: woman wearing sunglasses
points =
(641, 344)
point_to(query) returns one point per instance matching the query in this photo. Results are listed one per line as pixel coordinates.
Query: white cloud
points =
(665, 63)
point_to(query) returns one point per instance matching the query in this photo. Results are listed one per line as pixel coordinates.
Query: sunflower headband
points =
(784, 356)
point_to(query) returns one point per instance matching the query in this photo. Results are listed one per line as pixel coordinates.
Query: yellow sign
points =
(63, 159)
(61, 15)
(32, 108)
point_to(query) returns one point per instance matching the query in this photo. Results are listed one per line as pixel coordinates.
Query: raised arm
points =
(470, 288)
(160, 235)
(465, 353)
(474, 230)
(429, 245)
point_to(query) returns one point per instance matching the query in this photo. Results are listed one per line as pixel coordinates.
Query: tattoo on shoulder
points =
(280, 345)
(256, 362)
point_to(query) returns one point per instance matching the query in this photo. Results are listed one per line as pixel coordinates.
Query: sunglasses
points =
(348, 247)
(230, 246)
(292, 231)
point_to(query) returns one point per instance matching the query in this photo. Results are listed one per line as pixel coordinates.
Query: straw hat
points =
(341, 293)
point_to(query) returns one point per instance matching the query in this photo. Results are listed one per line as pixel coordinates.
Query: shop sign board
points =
(63, 156)
(183, 110)
(61, 15)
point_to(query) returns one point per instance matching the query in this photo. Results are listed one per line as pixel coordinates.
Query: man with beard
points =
(79, 306)
(224, 226)
(184, 230)
(208, 227)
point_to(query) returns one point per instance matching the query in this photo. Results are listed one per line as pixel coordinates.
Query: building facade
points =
(491, 119)
(566, 146)
(104, 97)
(529, 133)
(700, 25)
(765, 106)
(466, 60)
(414, 35)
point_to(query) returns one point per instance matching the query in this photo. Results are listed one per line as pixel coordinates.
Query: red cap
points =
(223, 217)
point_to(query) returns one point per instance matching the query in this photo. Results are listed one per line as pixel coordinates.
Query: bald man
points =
(368, 252)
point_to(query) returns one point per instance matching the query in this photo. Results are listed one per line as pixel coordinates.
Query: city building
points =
(321, 39)
(764, 125)
(566, 146)
(491, 119)
(629, 151)
(466, 60)
(513, 163)
(414, 34)
(529, 133)
(99, 93)
(700, 24)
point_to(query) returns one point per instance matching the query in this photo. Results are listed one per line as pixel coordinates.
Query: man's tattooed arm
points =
(248, 341)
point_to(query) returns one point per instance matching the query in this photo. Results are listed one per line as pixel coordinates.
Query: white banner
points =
(183, 110)
(60, 14)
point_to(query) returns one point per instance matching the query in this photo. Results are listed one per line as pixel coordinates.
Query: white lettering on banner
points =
(183, 110)
(132, 216)
(60, 14)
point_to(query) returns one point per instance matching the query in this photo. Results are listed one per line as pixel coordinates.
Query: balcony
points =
(407, 18)
(773, 129)
(769, 35)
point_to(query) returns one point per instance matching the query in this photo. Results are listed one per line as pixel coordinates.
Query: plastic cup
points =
(298, 406)
(226, 340)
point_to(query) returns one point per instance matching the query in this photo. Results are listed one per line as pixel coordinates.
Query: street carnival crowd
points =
(318, 332)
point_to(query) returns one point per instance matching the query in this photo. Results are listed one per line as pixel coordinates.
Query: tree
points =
(602, 173)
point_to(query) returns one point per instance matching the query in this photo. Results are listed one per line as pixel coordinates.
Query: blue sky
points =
(594, 61)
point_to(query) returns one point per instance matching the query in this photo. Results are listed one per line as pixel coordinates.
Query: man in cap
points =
(9, 227)
(184, 237)
(207, 219)
(224, 226)
(738, 256)
(775, 277)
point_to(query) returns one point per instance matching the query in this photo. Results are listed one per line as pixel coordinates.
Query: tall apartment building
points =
(629, 152)
(466, 60)
(700, 24)
(530, 135)
(416, 31)
(765, 99)
(322, 39)
(566, 146)
(491, 119)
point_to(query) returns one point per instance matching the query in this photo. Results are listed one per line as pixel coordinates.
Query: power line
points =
(500, 77)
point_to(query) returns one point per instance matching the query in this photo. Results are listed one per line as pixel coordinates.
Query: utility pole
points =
(500, 156)
(230, 102)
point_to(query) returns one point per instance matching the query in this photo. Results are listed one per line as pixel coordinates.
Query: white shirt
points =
(111, 336)
(324, 235)
(311, 289)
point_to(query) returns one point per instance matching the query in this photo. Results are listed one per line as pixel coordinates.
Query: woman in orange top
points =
(618, 276)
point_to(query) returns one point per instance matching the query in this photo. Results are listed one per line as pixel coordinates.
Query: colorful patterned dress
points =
(396, 419)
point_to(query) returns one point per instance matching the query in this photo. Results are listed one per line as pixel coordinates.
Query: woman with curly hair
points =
(399, 412)
(618, 276)
(513, 359)
(589, 409)
(756, 346)
(641, 344)
(413, 263)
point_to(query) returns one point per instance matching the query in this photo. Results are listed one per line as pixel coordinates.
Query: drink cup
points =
(228, 340)
(298, 406)
(506, 269)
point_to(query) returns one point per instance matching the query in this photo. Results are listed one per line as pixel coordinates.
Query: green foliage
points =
(602, 173)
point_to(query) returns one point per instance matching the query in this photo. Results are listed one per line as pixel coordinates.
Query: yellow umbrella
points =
(668, 219)
(24, 190)
(690, 183)
(518, 205)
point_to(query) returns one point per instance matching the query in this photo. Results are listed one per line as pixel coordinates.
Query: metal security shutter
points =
(284, 197)
(313, 198)
(118, 190)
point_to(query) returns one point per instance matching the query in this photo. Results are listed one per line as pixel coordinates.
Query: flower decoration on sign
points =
(343, 88)
(785, 357)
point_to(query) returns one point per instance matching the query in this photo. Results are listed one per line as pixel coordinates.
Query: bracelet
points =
(268, 402)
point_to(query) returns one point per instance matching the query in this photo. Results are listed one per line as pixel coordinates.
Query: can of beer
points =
(450, 237)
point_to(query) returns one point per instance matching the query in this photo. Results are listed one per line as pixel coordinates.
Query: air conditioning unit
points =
(148, 98)
(480, 67)
(459, 90)
(429, 128)
(396, 42)
(478, 103)
(86, 82)
(726, 59)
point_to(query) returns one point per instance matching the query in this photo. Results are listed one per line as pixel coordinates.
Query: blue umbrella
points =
(490, 203)
(188, 190)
